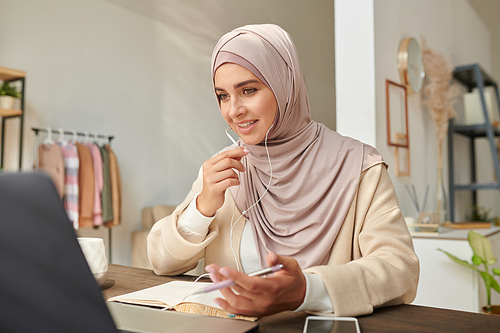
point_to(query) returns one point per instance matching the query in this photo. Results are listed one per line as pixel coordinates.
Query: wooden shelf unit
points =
(11, 75)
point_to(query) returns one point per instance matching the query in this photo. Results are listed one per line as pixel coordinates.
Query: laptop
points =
(46, 284)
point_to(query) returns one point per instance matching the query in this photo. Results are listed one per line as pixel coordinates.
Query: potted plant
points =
(8, 95)
(481, 214)
(482, 255)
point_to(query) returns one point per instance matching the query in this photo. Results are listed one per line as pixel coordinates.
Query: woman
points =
(294, 193)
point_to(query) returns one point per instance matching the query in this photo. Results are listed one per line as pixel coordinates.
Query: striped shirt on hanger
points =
(71, 166)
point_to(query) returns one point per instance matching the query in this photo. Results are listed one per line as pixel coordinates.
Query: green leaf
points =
(476, 260)
(459, 261)
(7, 89)
(496, 271)
(481, 247)
(487, 279)
(494, 284)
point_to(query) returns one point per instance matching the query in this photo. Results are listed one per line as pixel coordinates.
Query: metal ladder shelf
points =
(472, 76)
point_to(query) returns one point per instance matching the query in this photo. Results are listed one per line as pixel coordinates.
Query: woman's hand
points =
(218, 176)
(257, 296)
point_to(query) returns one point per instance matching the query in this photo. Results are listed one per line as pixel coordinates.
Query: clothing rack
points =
(74, 133)
(108, 137)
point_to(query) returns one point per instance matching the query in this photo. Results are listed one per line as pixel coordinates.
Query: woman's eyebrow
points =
(241, 84)
(238, 85)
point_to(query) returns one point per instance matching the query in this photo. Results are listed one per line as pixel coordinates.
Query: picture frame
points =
(397, 115)
(397, 126)
(401, 157)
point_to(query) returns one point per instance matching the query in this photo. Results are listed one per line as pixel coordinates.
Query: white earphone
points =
(238, 191)
(231, 138)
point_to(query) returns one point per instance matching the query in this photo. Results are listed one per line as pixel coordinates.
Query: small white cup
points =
(95, 253)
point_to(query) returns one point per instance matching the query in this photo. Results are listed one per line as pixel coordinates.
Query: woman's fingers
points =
(234, 154)
(229, 162)
(218, 175)
(214, 272)
(259, 296)
(239, 305)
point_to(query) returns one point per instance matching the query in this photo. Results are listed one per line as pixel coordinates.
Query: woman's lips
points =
(247, 127)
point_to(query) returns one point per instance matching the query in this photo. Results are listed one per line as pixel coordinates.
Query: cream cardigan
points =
(372, 263)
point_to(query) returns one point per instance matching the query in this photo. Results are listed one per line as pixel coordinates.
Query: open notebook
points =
(172, 296)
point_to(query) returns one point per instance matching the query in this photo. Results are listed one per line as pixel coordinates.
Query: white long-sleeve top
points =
(193, 226)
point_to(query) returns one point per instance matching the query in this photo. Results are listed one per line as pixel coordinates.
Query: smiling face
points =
(247, 105)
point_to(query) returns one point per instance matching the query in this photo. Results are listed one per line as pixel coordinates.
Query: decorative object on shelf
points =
(440, 100)
(426, 221)
(480, 213)
(473, 108)
(441, 204)
(414, 198)
(482, 255)
(410, 65)
(397, 125)
(8, 96)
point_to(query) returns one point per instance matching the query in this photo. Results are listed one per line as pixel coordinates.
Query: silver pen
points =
(229, 282)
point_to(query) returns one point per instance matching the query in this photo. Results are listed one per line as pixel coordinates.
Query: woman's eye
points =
(248, 91)
(222, 97)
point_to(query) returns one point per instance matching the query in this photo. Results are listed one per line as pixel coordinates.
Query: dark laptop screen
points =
(45, 282)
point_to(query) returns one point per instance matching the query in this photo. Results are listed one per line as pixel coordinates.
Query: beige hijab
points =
(316, 171)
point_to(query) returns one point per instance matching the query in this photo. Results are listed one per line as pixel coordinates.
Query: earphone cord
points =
(242, 214)
(234, 208)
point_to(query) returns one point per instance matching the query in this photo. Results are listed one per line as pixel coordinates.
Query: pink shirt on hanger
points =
(97, 161)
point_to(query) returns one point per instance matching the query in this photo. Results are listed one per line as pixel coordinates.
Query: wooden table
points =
(401, 318)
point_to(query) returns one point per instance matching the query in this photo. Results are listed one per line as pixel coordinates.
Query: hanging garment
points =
(50, 160)
(71, 166)
(107, 208)
(116, 187)
(98, 183)
(86, 184)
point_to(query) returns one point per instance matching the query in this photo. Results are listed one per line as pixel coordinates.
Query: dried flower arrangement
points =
(440, 93)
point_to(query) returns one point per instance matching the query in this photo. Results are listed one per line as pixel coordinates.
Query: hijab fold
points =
(315, 171)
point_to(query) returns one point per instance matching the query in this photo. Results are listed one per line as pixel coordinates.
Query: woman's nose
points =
(237, 108)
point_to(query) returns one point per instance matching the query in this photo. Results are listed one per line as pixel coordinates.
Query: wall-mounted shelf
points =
(11, 75)
(10, 113)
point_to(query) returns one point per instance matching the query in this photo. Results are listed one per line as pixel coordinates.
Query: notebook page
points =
(170, 294)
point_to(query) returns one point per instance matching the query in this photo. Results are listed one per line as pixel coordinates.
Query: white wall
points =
(355, 70)
(488, 11)
(451, 27)
(141, 72)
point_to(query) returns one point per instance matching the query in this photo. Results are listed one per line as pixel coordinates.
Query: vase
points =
(7, 102)
(441, 210)
(495, 310)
